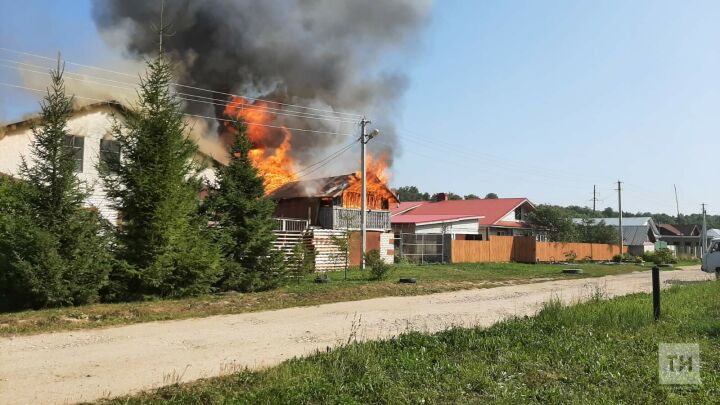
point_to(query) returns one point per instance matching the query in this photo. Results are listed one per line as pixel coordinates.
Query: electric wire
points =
(184, 85)
(202, 99)
(324, 162)
(206, 117)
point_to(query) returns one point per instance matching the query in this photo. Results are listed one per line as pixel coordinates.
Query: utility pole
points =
(364, 139)
(677, 204)
(363, 198)
(620, 227)
(594, 198)
(703, 236)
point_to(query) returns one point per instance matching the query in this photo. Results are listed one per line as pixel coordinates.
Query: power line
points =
(187, 86)
(129, 86)
(204, 116)
(324, 162)
(499, 161)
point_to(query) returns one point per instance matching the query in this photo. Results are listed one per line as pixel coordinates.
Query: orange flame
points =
(378, 194)
(272, 150)
(273, 161)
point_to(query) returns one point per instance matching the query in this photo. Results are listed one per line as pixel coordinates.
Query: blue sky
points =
(521, 98)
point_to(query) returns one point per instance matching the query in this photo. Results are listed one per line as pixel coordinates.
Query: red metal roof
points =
(426, 219)
(405, 206)
(492, 210)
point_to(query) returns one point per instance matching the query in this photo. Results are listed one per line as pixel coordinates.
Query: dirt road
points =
(87, 365)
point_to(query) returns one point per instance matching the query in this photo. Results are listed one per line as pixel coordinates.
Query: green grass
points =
(431, 279)
(597, 352)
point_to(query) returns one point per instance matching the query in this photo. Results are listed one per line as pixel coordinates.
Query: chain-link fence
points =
(423, 248)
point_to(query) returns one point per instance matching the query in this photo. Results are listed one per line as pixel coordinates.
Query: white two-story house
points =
(90, 139)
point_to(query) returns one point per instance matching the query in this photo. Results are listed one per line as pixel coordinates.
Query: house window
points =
(76, 145)
(473, 237)
(110, 154)
(518, 214)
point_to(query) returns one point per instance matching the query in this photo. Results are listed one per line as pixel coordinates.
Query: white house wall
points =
(93, 125)
(511, 215)
(464, 227)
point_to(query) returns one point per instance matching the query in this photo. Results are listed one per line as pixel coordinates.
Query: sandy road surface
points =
(86, 365)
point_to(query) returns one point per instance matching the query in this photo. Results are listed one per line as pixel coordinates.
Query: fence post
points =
(656, 292)
(442, 249)
(400, 245)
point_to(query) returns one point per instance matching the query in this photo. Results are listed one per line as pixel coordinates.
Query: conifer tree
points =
(162, 238)
(244, 218)
(53, 251)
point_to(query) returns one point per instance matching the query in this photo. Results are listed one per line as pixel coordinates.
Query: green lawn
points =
(597, 352)
(431, 279)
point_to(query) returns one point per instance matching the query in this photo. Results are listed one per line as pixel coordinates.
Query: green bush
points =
(570, 256)
(378, 268)
(660, 256)
(301, 261)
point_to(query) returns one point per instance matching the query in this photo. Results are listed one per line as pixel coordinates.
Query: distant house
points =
(639, 233)
(466, 219)
(685, 239)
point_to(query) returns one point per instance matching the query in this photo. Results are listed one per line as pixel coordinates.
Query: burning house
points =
(334, 202)
(309, 73)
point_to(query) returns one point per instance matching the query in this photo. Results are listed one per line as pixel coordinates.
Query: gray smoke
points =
(318, 53)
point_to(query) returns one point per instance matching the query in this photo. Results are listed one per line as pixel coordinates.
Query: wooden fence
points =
(556, 251)
(526, 249)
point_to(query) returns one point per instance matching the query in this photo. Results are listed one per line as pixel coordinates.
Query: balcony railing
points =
(290, 224)
(350, 218)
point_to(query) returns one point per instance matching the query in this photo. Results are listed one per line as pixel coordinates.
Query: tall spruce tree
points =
(52, 250)
(244, 218)
(162, 238)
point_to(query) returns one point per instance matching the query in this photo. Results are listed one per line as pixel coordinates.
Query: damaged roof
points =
(322, 187)
(317, 188)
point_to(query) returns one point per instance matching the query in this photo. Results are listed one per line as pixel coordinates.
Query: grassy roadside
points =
(597, 352)
(431, 279)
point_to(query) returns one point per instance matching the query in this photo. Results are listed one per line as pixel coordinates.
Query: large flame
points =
(272, 160)
(379, 195)
(272, 149)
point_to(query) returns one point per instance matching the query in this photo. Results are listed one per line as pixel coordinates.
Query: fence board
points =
(526, 250)
(557, 251)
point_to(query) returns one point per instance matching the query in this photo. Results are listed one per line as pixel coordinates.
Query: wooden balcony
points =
(350, 218)
(291, 224)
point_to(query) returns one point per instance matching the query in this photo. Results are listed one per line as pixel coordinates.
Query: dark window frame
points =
(76, 144)
(110, 154)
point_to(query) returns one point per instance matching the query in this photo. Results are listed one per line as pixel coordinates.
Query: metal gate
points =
(422, 247)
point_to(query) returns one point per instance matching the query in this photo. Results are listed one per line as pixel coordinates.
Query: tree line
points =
(412, 193)
(561, 216)
(560, 226)
(54, 251)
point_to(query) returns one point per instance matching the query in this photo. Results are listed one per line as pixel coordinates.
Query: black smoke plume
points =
(324, 54)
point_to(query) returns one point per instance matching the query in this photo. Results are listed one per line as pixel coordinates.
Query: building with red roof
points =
(466, 219)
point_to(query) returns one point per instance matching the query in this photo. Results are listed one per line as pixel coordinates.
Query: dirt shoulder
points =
(431, 279)
(92, 364)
